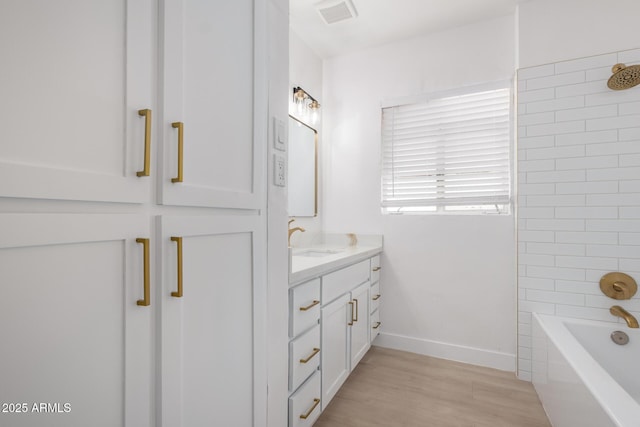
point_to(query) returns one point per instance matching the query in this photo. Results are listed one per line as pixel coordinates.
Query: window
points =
(449, 153)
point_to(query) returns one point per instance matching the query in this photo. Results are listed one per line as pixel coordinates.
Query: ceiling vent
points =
(333, 11)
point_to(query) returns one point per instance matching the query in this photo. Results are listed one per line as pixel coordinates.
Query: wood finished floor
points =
(391, 388)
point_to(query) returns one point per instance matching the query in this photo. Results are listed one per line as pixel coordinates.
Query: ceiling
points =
(382, 21)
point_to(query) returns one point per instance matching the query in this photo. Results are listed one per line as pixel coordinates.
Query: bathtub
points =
(582, 377)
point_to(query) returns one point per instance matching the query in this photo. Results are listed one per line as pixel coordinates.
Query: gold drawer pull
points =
(377, 325)
(146, 301)
(146, 113)
(315, 351)
(178, 240)
(313, 304)
(356, 318)
(315, 403)
(180, 127)
(376, 298)
(376, 268)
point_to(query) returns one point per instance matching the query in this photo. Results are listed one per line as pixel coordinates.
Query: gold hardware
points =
(377, 325)
(315, 351)
(616, 310)
(376, 298)
(293, 230)
(376, 268)
(315, 403)
(624, 77)
(180, 127)
(178, 240)
(146, 113)
(145, 251)
(356, 301)
(618, 286)
(313, 304)
(351, 304)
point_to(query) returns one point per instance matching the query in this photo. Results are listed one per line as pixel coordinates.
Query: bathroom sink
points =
(317, 252)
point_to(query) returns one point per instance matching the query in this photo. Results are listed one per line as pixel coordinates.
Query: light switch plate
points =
(280, 134)
(279, 170)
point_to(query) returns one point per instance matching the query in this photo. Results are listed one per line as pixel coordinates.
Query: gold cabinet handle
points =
(376, 298)
(376, 268)
(180, 127)
(313, 304)
(377, 325)
(145, 251)
(178, 293)
(356, 318)
(315, 351)
(146, 113)
(351, 304)
(315, 403)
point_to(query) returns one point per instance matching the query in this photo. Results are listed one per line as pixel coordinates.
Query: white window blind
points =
(448, 154)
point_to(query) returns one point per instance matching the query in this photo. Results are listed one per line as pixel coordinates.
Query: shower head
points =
(624, 77)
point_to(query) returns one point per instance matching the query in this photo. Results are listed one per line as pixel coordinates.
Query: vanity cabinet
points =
(360, 342)
(338, 306)
(305, 352)
(336, 318)
(304, 404)
(137, 105)
(345, 339)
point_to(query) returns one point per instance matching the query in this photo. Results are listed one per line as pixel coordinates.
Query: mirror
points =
(303, 169)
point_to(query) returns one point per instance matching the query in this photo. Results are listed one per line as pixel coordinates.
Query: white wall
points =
(579, 170)
(305, 70)
(448, 281)
(557, 30)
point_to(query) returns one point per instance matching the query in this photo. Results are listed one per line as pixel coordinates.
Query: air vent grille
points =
(336, 12)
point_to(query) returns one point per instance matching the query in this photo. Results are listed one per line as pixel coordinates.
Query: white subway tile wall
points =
(578, 191)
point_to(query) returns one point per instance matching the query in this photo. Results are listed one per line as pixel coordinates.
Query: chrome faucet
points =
(616, 310)
(293, 230)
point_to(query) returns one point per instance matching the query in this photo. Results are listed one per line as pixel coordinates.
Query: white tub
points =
(582, 377)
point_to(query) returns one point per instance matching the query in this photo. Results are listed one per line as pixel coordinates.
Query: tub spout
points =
(616, 310)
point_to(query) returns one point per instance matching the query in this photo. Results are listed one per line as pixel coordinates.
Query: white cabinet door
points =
(213, 82)
(335, 319)
(74, 76)
(74, 337)
(213, 361)
(360, 327)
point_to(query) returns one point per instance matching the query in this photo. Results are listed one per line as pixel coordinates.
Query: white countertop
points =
(302, 268)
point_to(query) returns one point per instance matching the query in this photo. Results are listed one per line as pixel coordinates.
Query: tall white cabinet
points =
(213, 61)
(132, 212)
(73, 79)
(73, 332)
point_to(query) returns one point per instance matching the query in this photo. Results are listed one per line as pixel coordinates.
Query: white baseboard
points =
(442, 350)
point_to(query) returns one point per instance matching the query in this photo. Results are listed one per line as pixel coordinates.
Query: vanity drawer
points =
(374, 324)
(375, 269)
(342, 281)
(304, 357)
(304, 307)
(304, 404)
(375, 297)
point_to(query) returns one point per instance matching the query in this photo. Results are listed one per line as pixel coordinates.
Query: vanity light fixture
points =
(305, 106)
